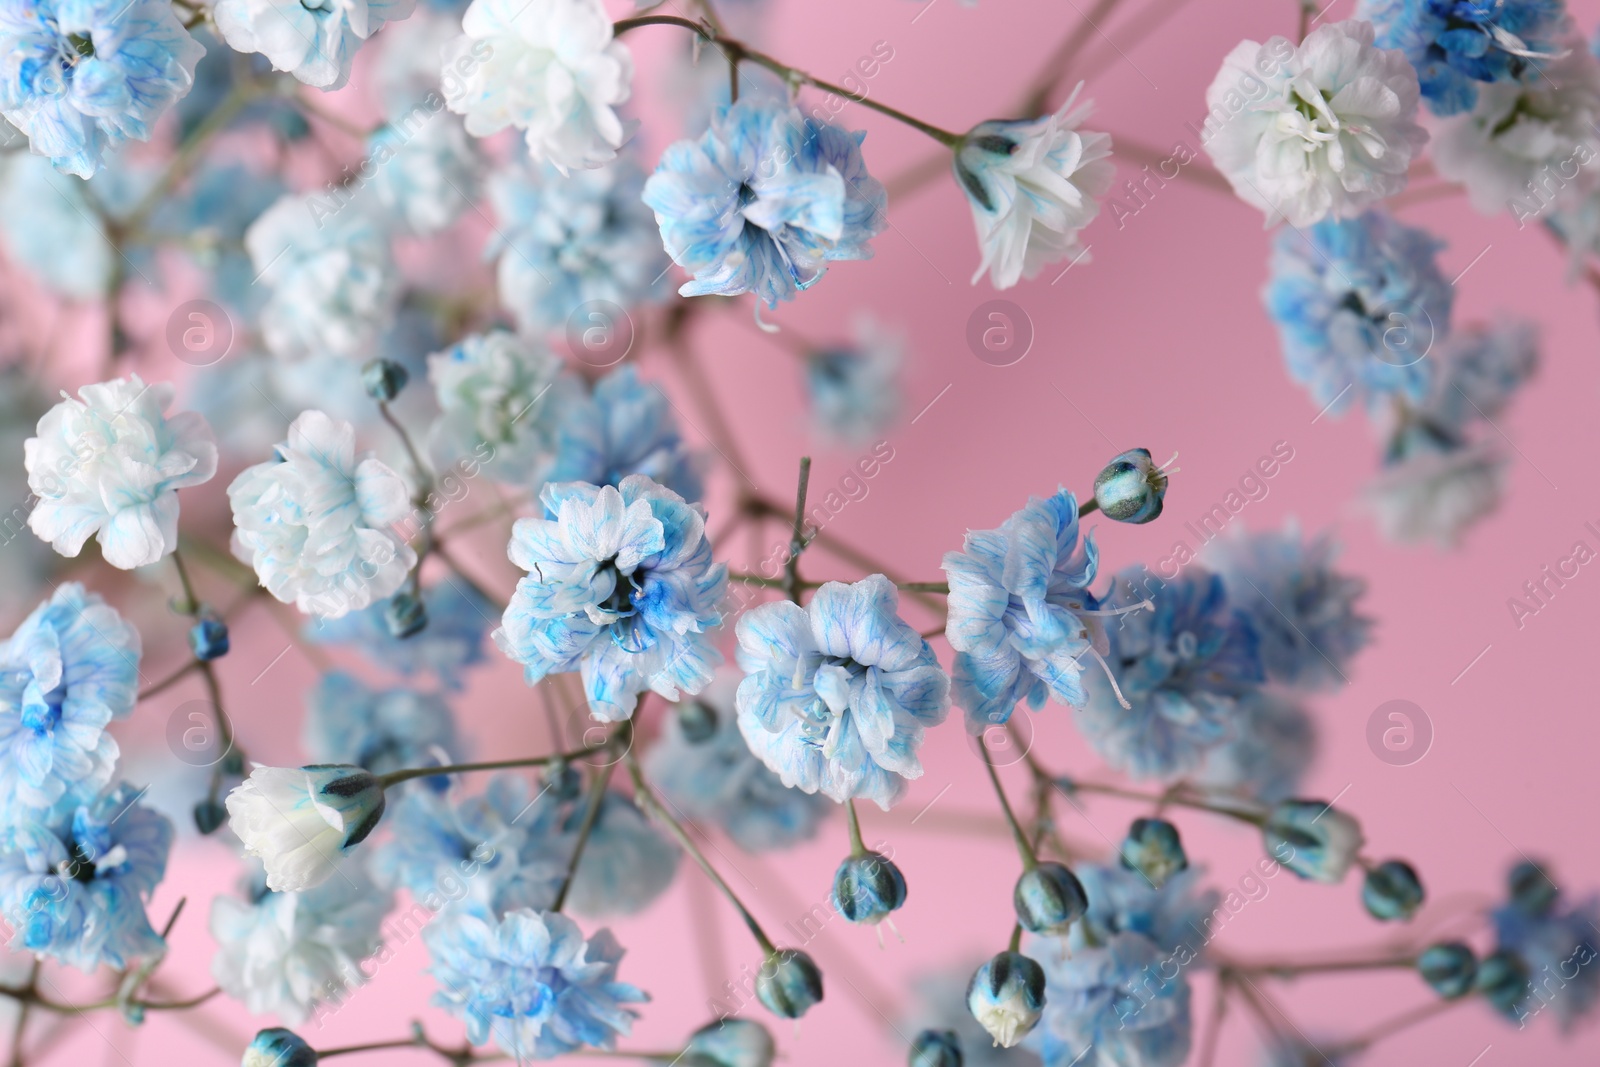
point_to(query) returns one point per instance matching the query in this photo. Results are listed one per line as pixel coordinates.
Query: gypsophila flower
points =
(854, 388)
(1358, 304)
(764, 201)
(731, 1043)
(316, 43)
(621, 587)
(301, 821)
(453, 640)
(548, 67)
(1455, 46)
(1173, 917)
(627, 863)
(214, 209)
(110, 464)
(1113, 1005)
(1433, 486)
(564, 241)
(1327, 127)
(69, 670)
(1020, 615)
(289, 954)
(80, 77)
(1303, 611)
(718, 780)
(1183, 665)
(627, 427)
(942, 1005)
(377, 730)
(1314, 840)
(315, 521)
(839, 693)
(1482, 368)
(502, 398)
(1559, 943)
(531, 982)
(74, 879)
(1268, 755)
(424, 171)
(332, 278)
(49, 229)
(1033, 186)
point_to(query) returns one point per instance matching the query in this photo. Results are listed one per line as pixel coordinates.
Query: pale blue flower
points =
(564, 241)
(531, 981)
(1358, 304)
(1182, 667)
(1273, 745)
(212, 211)
(301, 821)
(1458, 44)
(1122, 901)
(838, 694)
(622, 587)
(1482, 367)
(1559, 942)
(1116, 1004)
(50, 230)
(314, 42)
(377, 730)
(628, 427)
(1434, 484)
(1021, 617)
(80, 77)
(424, 171)
(71, 668)
(458, 619)
(1303, 611)
(627, 864)
(764, 201)
(74, 880)
(854, 388)
(717, 779)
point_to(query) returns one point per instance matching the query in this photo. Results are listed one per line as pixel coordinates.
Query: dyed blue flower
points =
(1313, 839)
(1173, 917)
(80, 77)
(74, 879)
(838, 694)
(458, 619)
(1302, 610)
(1560, 945)
(71, 668)
(1182, 666)
(942, 1005)
(569, 240)
(627, 427)
(317, 44)
(854, 389)
(764, 201)
(1358, 303)
(531, 981)
(1114, 1005)
(278, 1047)
(213, 210)
(621, 587)
(1268, 755)
(1482, 369)
(1021, 615)
(1458, 44)
(378, 730)
(717, 779)
(627, 863)
(424, 171)
(48, 225)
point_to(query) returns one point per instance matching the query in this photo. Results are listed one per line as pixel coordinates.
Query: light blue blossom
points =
(1559, 942)
(838, 694)
(627, 863)
(1113, 1005)
(316, 43)
(764, 201)
(1268, 755)
(1122, 901)
(564, 241)
(213, 211)
(1303, 611)
(718, 780)
(621, 587)
(1021, 617)
(377, 730)
(1182, 667)
(74, 880)
(80, 77)
(1358, 303)
(531, 981)
(502, 401)
(854, 389)
(424, 171)
(1482, 367)
(458, 619)
(49, 228)
(1457, 44)
(71, 668)
(1434, 484)
(627, 427)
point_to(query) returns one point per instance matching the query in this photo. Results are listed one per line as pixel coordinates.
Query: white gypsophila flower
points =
(1325, 127)
(301, 820)
(501, 402)
(424, 170)
(1435, 495)
(315, 521)
(1526, 146)
(315, 41)
(286, 953)
(549, 67)
(406, 71)
(332, 278)
(1033, 186)
(111, 464)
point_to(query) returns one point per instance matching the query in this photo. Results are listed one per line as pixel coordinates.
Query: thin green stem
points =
(1394, 1025)
(593, 804)
(797, 539)
(857, 846)
(939, 588)
(408, 773)
(1089, 506)
(1015, 944)
(1024, 848)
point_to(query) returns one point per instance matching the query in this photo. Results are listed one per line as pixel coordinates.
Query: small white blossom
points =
(315, 40)
(111, 465)
(501, 399)
(550, 67)
(1326, 127)
(301, 820)
(1435, 495)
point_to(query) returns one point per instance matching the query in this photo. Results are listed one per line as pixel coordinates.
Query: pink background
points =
(1159, 342)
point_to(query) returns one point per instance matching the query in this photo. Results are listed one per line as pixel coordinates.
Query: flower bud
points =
(1312, 839)
(730, 1043)
(789, 983)
(208, 639)
(1049, 899)
(1503, 979)
(1392, 891)
(383, 379)
(697, 720)
(301, 820)
(405, 614)
(1006, 996)
(1131, 488)
(1533, 892)
(1450, 968)
(278, 1047)
(563, 780)
(866, 888)
(209, 815)
(936, 1048)
(1153, 848)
